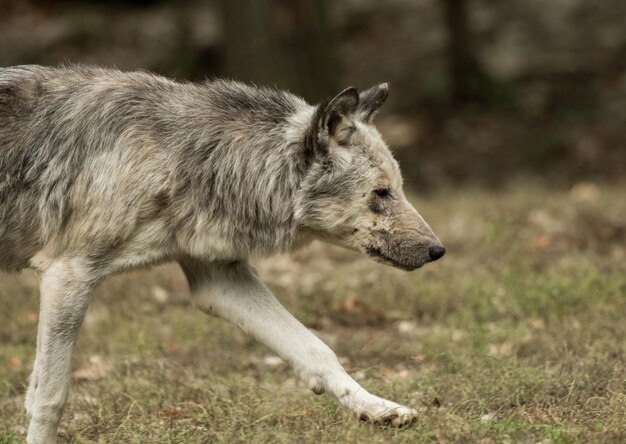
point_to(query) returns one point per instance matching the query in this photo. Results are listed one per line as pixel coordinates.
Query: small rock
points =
(584, 192)
(15, 363)
(159, 294)
(545, 221)
(406, 326)
(487, 417)
(273, 361)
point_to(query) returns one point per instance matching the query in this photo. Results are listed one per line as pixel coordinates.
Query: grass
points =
(517, 335)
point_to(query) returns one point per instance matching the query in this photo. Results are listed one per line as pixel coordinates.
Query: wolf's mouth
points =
(376, 253)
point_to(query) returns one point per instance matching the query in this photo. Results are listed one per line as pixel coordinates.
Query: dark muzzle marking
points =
(376, 252)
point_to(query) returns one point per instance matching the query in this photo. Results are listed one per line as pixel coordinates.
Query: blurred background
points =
(509, 122)
(483, 91)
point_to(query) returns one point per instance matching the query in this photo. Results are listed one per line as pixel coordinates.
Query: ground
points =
(516, 335)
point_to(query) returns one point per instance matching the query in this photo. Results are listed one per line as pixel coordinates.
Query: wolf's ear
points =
(371, 100)
(329, 120)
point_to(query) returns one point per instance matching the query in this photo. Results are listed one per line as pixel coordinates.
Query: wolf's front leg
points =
(234, 292)
(65, 292)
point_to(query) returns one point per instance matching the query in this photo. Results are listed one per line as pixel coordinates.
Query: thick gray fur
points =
(168, 151)
(102, 171)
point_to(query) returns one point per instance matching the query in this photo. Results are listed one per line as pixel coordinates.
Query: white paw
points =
(371, 408)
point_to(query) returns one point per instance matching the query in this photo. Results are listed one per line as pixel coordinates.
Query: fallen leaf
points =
(418, 358)
(388, 372)
(545, 221)
(500, 349)
(32, 316)
(171, 347)
(539, 417)
(351, 311)
(540, 243)
(441, 438)
(15, 363)
(310, 412)
(537, 324)
(96, 369)
(173, 413)
(348, 305)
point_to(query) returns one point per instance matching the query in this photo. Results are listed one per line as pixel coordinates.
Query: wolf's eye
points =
(382, 192)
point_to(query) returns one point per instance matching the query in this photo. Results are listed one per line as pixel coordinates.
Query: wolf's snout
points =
(436, 252)
(406, 254)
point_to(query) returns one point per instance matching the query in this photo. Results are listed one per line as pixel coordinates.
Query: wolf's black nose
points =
(436, 252)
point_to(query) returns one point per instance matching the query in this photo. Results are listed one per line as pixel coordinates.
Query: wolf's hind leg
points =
(234, 292)
(65, 288)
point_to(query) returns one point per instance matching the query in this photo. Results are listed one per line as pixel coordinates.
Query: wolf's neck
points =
(245, 180)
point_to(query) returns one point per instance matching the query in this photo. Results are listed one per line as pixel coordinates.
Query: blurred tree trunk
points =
(466, 74)
(280, 42)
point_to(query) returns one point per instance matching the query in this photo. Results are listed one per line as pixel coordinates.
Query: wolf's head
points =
(352, 194)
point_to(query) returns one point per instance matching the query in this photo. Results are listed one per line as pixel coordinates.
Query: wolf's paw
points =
(381, 411)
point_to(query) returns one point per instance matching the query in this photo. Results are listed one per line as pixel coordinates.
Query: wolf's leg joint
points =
(234, 292)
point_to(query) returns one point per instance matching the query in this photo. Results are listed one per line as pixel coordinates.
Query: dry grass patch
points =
(516, 336)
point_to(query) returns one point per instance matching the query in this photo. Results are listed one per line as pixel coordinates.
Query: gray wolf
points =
(103, 171)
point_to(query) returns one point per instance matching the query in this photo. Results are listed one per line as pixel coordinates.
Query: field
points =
(517, 335)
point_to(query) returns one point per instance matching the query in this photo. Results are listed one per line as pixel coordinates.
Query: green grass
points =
(517, 335)
(7, 438)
